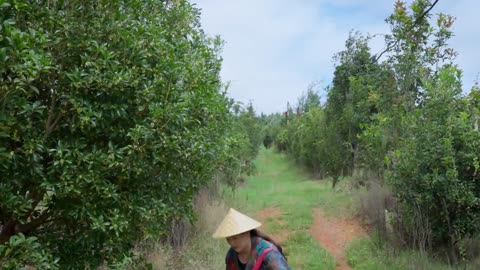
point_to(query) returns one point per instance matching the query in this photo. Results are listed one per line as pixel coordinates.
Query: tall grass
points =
(201, 251)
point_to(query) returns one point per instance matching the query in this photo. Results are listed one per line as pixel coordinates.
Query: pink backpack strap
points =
(259, 261)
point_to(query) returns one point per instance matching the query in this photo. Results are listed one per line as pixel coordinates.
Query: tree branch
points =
(8, 230)
(417, 21)
(49, 126)
(37, 198)
(28, 227)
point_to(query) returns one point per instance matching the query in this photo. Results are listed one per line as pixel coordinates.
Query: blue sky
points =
(275, 48)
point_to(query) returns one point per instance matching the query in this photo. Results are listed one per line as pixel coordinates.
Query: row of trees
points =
(112, 117)
(400, 118)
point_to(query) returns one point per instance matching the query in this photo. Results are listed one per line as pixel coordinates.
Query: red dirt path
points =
(272, 212)
(334, 234)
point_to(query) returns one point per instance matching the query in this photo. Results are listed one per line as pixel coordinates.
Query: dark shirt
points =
(241, 265)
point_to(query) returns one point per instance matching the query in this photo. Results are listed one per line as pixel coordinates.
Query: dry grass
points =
(211, 211)
(373, 206)
(159, 258)
(198, 250)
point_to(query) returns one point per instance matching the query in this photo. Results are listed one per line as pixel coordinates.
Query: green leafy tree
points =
(271, 125)
(241, 145)
(435, 171)
(23, 251)
(415, 50)
(309, 100)
(347, 107)
(111, 118)
(250, 124)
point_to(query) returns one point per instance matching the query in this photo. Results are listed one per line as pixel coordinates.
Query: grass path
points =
(305, 215)
(312, 222)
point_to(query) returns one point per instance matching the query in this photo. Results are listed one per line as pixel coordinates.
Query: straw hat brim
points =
(235, 223)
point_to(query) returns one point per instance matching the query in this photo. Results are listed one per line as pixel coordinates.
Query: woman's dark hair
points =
(257, 233)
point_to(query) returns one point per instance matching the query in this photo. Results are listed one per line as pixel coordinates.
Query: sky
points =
(275, 49)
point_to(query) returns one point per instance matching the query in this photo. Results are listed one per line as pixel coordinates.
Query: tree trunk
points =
(335, 181)
(7, 230)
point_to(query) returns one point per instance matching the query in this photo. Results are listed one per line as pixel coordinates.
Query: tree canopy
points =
(112, 116)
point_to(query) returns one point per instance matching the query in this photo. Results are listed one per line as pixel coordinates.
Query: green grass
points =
(307, 254)
(281, 184)
(367, 254)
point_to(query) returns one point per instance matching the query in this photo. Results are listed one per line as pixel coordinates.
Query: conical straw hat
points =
(235, 223)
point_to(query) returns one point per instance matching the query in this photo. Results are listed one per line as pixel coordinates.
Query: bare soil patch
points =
(272, 213)
(334, 234)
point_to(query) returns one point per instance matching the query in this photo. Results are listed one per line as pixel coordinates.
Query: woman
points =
(249, 248)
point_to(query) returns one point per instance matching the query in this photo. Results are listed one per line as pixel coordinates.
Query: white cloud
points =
(275, 48)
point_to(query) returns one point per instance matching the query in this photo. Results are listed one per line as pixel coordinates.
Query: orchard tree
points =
(111, 118)
(346, 109)
(251, 124)
(435, 171)
(416, 50)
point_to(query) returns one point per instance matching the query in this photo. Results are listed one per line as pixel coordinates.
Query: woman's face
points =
(240, 242)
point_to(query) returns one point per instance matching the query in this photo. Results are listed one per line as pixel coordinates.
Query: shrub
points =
(434, 172)
(111, 118)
